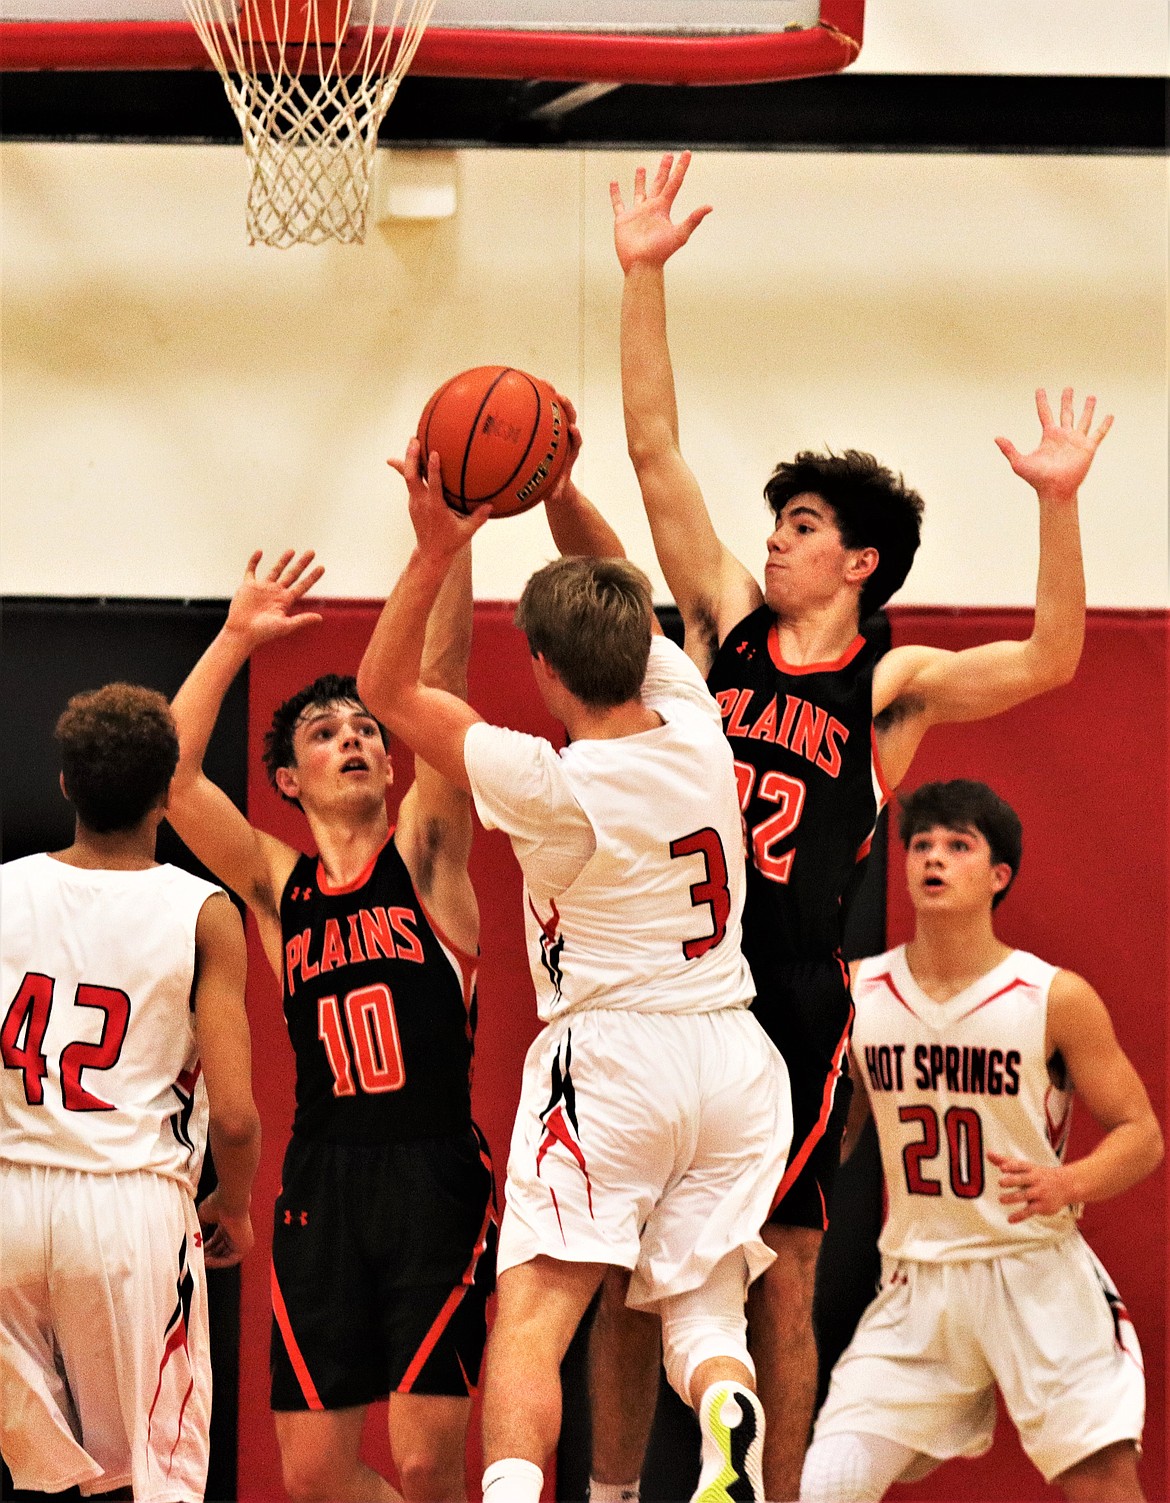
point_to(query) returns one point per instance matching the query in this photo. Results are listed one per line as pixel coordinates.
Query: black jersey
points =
(380, 1009)
(810, 788)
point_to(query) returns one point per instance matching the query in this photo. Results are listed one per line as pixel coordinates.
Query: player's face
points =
(951, 871)
(340, 759)
(808, 564)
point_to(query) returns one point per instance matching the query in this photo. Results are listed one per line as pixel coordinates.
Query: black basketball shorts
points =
(383, 1258)
(806, 1010)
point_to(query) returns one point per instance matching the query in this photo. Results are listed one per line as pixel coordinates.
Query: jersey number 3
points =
(29, 1015)
(713, 890)
(374, 1056)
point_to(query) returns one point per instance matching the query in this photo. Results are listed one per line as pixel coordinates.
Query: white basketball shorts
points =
(649, 1141)
(105, 1369)
(1046, 1326)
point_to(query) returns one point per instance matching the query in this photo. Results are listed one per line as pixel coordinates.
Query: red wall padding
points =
(1087, 769)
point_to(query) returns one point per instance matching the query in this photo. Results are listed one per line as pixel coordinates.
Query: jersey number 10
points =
(365, 1050)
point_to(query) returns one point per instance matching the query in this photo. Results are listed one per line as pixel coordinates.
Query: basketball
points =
(501, 436)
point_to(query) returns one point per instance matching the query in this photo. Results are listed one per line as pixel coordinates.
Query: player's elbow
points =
(235, 1124)
(649, 442)
(373, 691)
(1154, 1143)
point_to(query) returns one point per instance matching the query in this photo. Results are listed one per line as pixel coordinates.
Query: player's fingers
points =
(1008, 450)
(253, 563)
(1085, 421)
(663, 179)
(302, 586)
(279, 566)
(1067, 411)
(615, 198)
(639, 185)
(1103, 428)
(693, 220)
(1043, 410)
(303, 619)
(295, 570)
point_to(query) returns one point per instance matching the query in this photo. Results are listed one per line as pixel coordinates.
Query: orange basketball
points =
(501, 436)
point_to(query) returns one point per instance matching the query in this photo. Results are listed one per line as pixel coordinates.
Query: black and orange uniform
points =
(383, 1244)
(810, 791)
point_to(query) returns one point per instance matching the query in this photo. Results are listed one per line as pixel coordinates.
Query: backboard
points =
(610, 41)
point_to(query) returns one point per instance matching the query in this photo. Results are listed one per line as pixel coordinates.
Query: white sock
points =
(731, 1422)
(512, 1480)
(615, 1492)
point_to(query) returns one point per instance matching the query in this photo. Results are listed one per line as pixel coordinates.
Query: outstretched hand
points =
(441, 531)
(1061, 461)
(265, 609)
(1034, 1189)
(645, 234)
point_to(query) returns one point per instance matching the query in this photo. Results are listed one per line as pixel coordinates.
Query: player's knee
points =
(852, 1468)
(431, 1474)
(689, 1340)
(783, 1295)
(309, 1476)
(1112, 1472)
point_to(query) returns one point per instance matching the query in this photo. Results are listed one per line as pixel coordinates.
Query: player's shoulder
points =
(867, 970)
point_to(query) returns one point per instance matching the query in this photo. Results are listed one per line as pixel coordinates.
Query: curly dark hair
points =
(874, 509)
(119, 751)
(329, 689)
(964, 804)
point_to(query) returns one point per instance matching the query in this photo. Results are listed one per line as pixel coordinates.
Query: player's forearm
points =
(1058, 629)
(235, 1148)
(392, 662)
(447, 643)
(1123, 1157)
(197, 705)
(579, 529)
(648, 396)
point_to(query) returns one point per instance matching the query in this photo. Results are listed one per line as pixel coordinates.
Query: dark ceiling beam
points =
(844, 112)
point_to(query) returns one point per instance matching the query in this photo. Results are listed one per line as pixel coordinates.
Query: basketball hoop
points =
(309, 91)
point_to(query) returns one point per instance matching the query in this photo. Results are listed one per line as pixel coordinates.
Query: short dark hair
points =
(119, 751)
(329, 689)
(874, 508)
(964, 804)
(590, 618)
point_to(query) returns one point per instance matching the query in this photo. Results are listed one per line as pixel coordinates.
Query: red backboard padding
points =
(464, 53)
(1086, 769)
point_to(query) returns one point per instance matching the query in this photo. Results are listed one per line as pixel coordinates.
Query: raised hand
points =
(1034, 1189)
(440, 530)
(645, 234)
(1057, 466)
(263, 609)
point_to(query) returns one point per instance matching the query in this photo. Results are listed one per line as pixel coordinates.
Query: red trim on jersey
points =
(1057, 1126)
(442, 1320)
(556, 1130)
(888, 979)
(187, 1078)
(323, 884)
(798, 668)
(299, 1366)
(795, 1165)
(884, 784)
(1011, 986)
(467, 962)
(864, 848)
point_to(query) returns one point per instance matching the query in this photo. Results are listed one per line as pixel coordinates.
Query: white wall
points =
(172, 398)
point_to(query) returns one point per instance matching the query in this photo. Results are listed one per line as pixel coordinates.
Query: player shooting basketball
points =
(822, 728)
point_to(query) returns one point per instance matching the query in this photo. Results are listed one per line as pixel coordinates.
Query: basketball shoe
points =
(731, 1420)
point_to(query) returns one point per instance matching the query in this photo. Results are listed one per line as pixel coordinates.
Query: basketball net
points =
(309, 91)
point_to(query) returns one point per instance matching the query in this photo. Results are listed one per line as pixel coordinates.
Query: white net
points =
(310, 86)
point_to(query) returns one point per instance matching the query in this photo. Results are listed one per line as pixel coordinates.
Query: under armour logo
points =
(198, 1239)
(304, 893)
(302, 1218)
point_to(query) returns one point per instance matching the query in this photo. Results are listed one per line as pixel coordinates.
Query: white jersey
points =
(100, 1068)
(632, 854)
(950, 1082)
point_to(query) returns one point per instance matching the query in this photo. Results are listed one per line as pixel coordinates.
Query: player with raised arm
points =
(384, 1228)
(124, 1044)
(654, 1118)
(970, 1053)
(822, 728)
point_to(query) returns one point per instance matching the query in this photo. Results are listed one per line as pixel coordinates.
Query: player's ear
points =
(1001, 876)
(64, 790)
(862, 563)
(287, 782)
